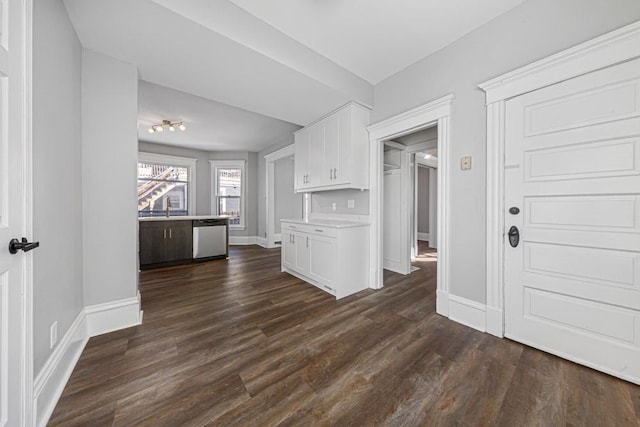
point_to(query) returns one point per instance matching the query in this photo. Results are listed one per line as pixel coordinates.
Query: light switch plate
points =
(351, 204)
(465, 163)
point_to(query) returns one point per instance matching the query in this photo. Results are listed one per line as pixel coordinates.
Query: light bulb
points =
(427, 156)
(171, 129)
(181, 127)
(159, 129)
(151, 130)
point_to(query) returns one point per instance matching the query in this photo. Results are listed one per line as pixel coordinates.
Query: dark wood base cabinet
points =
(164, 243)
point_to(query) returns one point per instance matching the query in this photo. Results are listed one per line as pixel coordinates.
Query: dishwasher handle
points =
(208, 222)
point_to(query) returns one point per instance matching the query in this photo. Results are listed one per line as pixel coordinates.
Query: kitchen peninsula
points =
(174, 240)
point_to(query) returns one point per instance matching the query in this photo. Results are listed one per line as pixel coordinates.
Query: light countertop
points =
(336, 223)
(182, 218)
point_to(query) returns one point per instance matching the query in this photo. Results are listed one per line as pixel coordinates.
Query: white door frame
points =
(610, 49)
(436, 112)
(270, 160)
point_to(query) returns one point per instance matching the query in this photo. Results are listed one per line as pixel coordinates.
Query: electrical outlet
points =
(465, 163)
(351, 204)
(53, 334)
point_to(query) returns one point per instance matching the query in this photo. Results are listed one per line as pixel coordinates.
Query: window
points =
(165, 182)
(228, 182)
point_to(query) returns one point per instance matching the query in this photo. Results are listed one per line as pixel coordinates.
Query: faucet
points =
(168, 205)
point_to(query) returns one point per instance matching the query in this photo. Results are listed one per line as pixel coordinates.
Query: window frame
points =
(229, 164)
(188, 162)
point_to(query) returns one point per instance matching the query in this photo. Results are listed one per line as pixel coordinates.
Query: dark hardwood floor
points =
(238, 342)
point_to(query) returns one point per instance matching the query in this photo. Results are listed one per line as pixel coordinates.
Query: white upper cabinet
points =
(333, 153)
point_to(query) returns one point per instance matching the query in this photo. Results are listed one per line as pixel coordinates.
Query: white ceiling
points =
(211, 126)
(291, 60)
(375, 39)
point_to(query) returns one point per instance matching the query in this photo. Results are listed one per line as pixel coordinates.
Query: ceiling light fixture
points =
(171, 125)
(427, 156)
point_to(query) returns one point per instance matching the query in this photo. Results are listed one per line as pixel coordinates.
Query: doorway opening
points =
(437, 115)
(410, 200)
(281, 199)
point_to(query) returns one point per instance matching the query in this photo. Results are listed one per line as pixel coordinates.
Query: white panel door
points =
(572, 168)
(13, 267)
(392, 219)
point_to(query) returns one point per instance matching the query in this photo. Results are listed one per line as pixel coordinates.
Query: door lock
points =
(514, 236)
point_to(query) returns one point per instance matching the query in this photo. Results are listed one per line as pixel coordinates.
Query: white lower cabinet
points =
(332, 257)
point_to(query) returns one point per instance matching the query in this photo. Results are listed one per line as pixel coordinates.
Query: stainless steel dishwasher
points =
(210, 238)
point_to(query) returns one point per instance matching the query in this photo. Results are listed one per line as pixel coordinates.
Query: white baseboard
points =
(55, 373)
(495, 322)
(91, 321)
(467, 312)
(442, 303)
(424, 236)
(261, 241)
(243, 240)
(112, 316)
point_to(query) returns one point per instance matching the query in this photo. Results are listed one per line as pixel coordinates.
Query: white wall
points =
(262, 190)
(109, 171)
(531, 31)
(57, 201)
(322, 202)
(287, 203)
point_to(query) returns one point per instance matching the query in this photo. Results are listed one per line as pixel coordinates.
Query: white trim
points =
(610, 49)
(467, 312)
(113, 315)
(436, 112)
(230, 164)
(261, 241)
(56, 372)
(424, 236)
(289, 150)
(243, 240)
(187, 162)
(91, 321)
(495, 321)
(270, 159)
(442, 303)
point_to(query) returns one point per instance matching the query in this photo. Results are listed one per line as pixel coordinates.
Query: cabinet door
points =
(302, 159)
(152, 242)
(179, 240)
(318, 174)
(301, 242)
(288, 250)
(322, 260)
(331, 146)
(342, 162)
